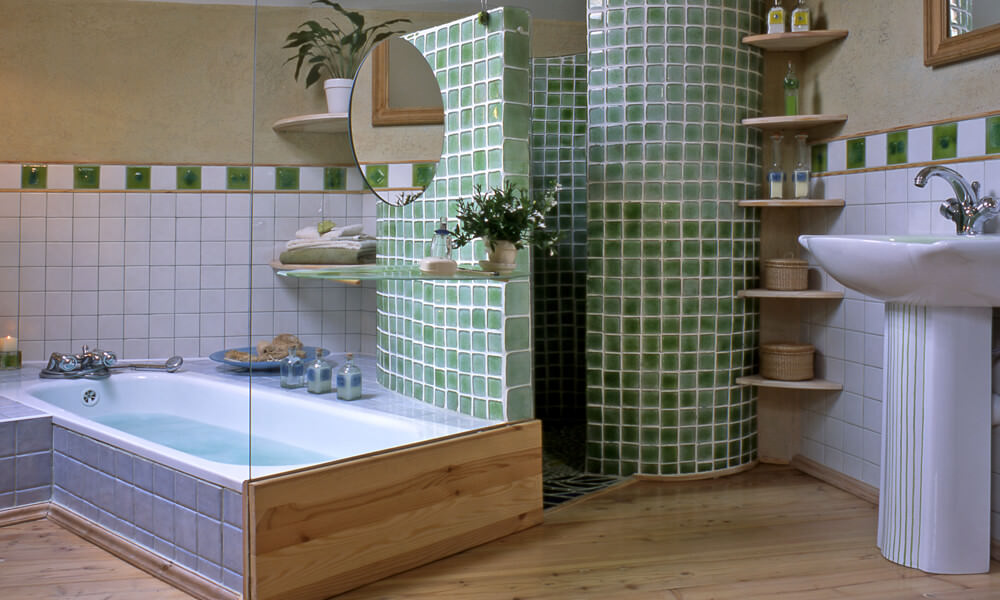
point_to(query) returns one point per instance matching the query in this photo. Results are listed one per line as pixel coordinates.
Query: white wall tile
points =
(918, 145)
(971, 138)
(163, 177)
(60, 177)
(10, 176)
(875, 150)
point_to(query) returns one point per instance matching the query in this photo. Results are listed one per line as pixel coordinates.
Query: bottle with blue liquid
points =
(292, 369)
(319, 375)
(349, 380)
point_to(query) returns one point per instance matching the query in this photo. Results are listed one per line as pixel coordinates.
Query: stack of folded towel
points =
(345, 245)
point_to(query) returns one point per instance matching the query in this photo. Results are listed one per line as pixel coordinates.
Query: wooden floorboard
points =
(771, 533)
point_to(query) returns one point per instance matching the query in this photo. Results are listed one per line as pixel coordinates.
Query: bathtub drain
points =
(90, 398)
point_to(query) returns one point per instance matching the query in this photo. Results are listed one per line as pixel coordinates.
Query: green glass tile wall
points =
(464, 346)
(559, 155)
(668, 247)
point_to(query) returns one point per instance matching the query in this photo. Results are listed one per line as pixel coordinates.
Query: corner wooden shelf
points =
(796, 203)
(794, 121)
(318, 123)
(809, 384)
(796, 295)
(795, 41)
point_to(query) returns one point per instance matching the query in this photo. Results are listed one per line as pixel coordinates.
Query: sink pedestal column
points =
(934, 498)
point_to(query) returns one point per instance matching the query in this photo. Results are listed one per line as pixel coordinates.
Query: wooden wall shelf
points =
(795, 42)
(810, 384)
(794, 121)
(318, 123)
(796, 295)
(796, 203)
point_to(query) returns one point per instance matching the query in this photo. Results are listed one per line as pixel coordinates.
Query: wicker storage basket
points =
(786, 361)
(786, 274)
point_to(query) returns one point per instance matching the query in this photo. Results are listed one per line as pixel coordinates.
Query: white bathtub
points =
(177, 419)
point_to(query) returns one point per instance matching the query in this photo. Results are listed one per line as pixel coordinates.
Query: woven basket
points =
(786, 274)
(786, 361)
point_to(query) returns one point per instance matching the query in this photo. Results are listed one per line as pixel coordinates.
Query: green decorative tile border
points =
(377, 175)
(423, 174)
(138, 178)
(944, 141)
(895, 148)
(856, 153)
(238, 178)
(189, 178)
(86, 177)
(34, 176)
(668, 247)
(335, 178)
(286, 178)
(819, 154)
(427, 331)
(993, 135)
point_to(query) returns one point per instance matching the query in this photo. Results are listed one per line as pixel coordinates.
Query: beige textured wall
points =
(148, 82)
(877, 75)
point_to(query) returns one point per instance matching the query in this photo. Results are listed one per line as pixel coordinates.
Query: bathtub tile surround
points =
(464, 346)
(164, 510)
(145, 267)
(25, 455)
(559, 155)
(668, 247)
(844, 431)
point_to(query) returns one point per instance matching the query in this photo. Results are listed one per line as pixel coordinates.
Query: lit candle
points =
(8, 344)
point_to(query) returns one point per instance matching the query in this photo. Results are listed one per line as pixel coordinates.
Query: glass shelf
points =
(396, 272)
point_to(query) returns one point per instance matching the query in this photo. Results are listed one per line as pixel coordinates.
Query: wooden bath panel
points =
(321, 531)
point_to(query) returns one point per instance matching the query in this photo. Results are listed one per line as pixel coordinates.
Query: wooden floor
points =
(769, 533)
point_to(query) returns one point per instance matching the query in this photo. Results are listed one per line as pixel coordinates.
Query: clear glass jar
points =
(319, 374)
(801, 174)
(800, 17)
(775, 175)
(776, 18)
(791, 85)
(441, 242)
(292, 369)
(349, 380)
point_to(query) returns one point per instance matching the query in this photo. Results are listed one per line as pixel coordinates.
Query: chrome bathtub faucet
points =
(968, 211)
(88, 364)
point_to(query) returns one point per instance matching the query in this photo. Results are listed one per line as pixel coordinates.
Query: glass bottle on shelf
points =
(775, 176)
(776, 18)
(292, 369)
(349, 380)
(791, 92)
(800, 17)
(319, 375)
(801, 174)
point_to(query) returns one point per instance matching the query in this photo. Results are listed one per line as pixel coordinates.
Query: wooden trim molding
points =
(318, 532)
(383, 114)
(176, 575)
(836, 478)
(697, 476)
(940, 49)
(23, 514)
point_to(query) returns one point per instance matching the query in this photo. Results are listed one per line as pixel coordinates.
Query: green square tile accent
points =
(286, 178)
(237, 178)
(189, 178)
(944, 141)
(993, 135)
(137, 178)
(856, 153)
(335, 178)
(423, 174)
(895, 148)
(34, 176)
(86, 177)
(377, 175)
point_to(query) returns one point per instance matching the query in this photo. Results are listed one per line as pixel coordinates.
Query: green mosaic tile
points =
(286, 178)
(993, 135)
(237, 178)
(944, 141)
(34, 176)
(86, 177)
(423, 174)
(334, 178)
(377, 175)
(895, 148)
(138, 178)
(856, 153)
(189, 178)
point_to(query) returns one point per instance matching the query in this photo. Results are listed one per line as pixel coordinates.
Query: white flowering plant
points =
(509, 214)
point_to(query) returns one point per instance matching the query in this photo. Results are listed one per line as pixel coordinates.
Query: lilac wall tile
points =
(210, 500)
(185, 529)
(33, 470)
(7, 438)
(209, 539)
(163, 518)
(142, 474)
(186, 490)
(7, 480)
(34, 435)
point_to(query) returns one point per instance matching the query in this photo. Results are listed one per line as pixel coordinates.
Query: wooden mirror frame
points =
(939, 49)
(382, 113)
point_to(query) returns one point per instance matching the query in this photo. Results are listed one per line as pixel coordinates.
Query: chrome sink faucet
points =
(89, 364)
(966, 209)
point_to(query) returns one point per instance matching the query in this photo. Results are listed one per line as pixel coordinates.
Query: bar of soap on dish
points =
(438, 266)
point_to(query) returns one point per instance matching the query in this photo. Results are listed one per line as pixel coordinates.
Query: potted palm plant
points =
(335, 52)
(506, 219)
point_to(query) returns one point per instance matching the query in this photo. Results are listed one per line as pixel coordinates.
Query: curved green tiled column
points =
(668, 247)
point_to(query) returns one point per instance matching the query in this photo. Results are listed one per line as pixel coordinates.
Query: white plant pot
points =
(501, 256)
(338, 95)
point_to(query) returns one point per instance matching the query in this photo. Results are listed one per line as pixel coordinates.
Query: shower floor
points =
(563, 475)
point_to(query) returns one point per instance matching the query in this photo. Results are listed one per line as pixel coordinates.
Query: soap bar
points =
(438, 266)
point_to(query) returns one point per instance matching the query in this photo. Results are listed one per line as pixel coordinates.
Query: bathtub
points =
(202, 425)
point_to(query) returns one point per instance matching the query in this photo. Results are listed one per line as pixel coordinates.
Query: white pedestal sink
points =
(934, 497)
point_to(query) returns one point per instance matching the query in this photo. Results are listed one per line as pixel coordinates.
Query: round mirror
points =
(396, 121)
